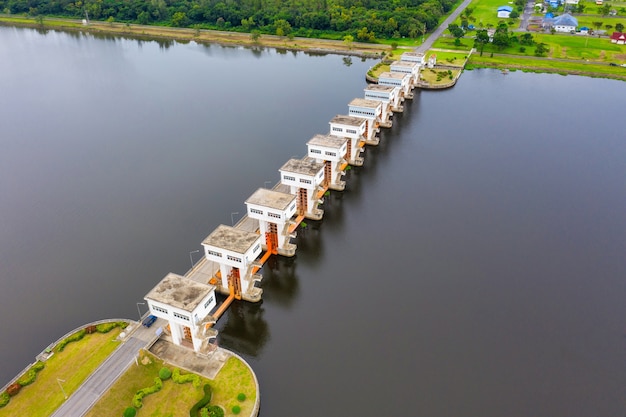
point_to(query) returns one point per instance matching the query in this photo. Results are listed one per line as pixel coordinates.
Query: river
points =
(473, 266)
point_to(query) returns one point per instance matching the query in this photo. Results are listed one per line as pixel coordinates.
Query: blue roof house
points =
(565, 23)
(504, 11)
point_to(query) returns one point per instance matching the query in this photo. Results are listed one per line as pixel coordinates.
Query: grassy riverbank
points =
(201, 36)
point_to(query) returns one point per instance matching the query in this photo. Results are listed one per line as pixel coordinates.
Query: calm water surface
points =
(473, 267)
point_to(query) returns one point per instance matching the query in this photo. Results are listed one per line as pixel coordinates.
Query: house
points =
(573, 2)
(504, 11)
(599, 2)
(618, 38)
(565, 23)
(584, 30)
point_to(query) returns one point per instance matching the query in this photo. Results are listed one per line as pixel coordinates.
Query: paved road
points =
(428, 43)
(99, 382)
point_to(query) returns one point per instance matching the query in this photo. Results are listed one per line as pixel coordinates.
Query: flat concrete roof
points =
(348, 120)
(272, 199)
(378, 87)
(179, 292)
(232, 239)
(405, 64)
(306, 166)
(328, 141)
(415, 54)
(396, 75)
(363, 102)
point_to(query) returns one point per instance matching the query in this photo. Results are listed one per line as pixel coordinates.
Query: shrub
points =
(241, 396)
(72, 338)
(38, 366)
(236, 409)
(4, 399)
(130, 412)
(106, 327)
(215, 411)
(138, 397)
(184, 379)
(13, 389)
(203, 401)
(165, 374)
(28, 378)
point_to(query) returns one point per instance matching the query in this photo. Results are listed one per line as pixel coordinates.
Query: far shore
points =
(322, 46)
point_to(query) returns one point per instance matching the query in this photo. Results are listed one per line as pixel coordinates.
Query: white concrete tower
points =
(186, 305)
(274, 211)
(397, 79)
(390, 97)
(331, 151)
(407, 67)
(235, 251)
(417, 57)
(370, 110)
(354, 129)
(304, 178)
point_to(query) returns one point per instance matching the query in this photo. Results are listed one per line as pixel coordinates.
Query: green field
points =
(65, 371)
(175, 400)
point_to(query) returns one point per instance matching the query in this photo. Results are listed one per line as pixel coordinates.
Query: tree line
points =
(364, 20)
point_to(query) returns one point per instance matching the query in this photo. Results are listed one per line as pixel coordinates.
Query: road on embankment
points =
(99, 382)
(428, 43)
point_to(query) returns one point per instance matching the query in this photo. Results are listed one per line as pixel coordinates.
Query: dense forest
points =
(364, 20)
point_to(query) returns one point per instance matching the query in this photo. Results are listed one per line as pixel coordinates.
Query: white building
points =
(304, 178)
(397, 79)
(417, 57)
(331, 151)
(186, 305)
(565, 23)
(407, 67)
(274, 211)
(390, 97)
(235, 251)
(370, 110)
(354, 129)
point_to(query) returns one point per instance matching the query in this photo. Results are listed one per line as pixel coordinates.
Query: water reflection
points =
(245, 331)
(280, 282)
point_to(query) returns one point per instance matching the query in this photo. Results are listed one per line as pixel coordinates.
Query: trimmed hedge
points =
(72, 338)
(4, 399)
(184, 379)
(215, 411)
(138, 398)
(236, 409)
(38, 366)
(203, 401)
(28, 377)
(241, 396)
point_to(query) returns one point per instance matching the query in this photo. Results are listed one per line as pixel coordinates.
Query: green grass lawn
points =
(485, 12)
(72, 366)
(175, 400)
(449, 58)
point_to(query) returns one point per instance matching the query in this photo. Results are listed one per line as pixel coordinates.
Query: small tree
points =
(255, 35)
(541, 49)
(457, 32)
(110, 20)
(597, 25)
(482, 38)
(619, 27)
(514, 14)
(347, 40)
